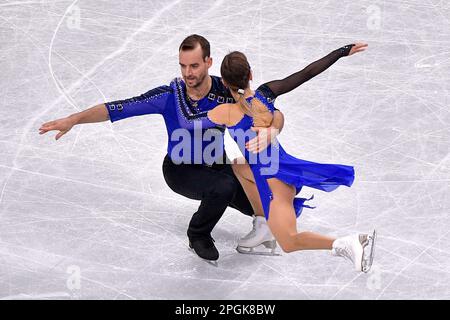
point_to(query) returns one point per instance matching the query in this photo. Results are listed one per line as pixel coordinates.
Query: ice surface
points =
(90, 216)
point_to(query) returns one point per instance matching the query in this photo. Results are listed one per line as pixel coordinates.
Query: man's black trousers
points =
(215, 186)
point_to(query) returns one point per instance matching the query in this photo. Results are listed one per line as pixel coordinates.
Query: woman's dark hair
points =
(236, 72)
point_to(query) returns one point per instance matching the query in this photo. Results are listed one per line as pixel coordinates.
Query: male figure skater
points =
(187, 171)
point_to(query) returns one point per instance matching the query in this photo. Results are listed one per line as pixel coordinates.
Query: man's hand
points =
(264, 137)
(63, 125)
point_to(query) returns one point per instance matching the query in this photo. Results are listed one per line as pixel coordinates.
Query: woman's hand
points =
(358, 47)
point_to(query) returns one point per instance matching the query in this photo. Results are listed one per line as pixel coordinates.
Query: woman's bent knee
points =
(287, 245)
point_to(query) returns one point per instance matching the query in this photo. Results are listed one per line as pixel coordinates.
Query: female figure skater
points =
(272, 192)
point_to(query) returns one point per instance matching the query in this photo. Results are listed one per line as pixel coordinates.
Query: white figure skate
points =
(259, 236)
(358, 248)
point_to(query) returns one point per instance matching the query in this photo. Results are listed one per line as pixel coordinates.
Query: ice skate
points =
(369, 251)
(259, 241)
(205, 249)
(214, 263)
(358, 248)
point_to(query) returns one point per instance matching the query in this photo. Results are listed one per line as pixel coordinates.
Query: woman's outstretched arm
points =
(279, 87)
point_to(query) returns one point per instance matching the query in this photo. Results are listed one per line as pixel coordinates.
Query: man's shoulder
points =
(219, 92)
(176, 81)
(163, 89)
(217, 80)
(218, 85)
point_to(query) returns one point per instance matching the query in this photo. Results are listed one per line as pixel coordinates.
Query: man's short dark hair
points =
(192, 41)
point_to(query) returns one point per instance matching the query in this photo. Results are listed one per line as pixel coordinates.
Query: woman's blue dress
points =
(275, 162)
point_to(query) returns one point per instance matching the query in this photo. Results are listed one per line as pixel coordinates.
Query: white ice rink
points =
(91, 217)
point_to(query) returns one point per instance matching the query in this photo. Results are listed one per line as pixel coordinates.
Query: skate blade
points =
(252, 251)
(368, 257)
(211, 262)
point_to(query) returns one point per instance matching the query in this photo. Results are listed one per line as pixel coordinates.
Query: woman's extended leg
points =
(283, 223)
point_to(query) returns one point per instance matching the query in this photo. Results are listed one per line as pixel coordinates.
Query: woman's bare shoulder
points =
(221, 113)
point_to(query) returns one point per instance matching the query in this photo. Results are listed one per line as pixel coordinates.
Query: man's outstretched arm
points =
(97, 113)
(151, 102)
